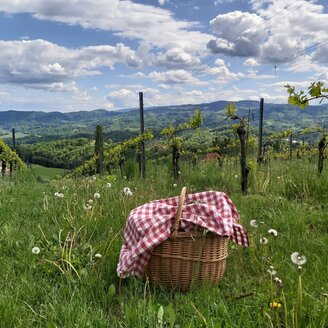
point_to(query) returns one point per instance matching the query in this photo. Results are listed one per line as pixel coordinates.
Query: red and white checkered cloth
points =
(150, 224)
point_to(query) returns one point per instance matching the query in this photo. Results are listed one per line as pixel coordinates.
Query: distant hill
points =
(34, 126)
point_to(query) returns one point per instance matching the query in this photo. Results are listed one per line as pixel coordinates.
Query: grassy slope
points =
(46, 172)
(45, 291)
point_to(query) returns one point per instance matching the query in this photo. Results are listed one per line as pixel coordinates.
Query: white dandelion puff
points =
(98, 256)
(271, 271)
(175, 185)
(96, 195)
(277, 280)
(127, 191)
(87, 207)
(36, 250)
(253, 223)
(298, 259)
(236, 176)
(108, 185)
(90, 201)
(273, 232)
(263, 241)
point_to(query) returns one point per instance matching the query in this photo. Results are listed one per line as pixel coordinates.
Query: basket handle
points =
(178, 215)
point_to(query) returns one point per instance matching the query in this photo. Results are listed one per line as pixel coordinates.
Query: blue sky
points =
(84, 54)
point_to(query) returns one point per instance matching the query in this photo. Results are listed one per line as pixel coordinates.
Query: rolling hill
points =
(35, 126)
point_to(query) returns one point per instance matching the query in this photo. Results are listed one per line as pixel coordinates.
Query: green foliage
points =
(68, 153)
(9, 156)
(112, 156)
(170, 133)
(196, 120)
(316, 90)
(230, 111)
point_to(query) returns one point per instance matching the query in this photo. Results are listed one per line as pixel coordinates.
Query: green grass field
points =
(46, 173)
(65, 285)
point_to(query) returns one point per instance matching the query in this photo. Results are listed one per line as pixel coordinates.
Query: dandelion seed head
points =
(87, 207)
(90, 201)
(273, 232)
(236, 176)
(108, 185)
(98, 256)
(127, 191)
(277, 280)
(253, 223)
(36, 250)
(175, 185)
(263, 241)
(298, 259)
(96, 195)
(271, 271)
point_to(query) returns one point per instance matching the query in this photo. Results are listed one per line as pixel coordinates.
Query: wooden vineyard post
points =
(260, 156)
(243, 153)
(322, 145)
(14, 138)
(142, 130)
(291, 146)
(99, 149)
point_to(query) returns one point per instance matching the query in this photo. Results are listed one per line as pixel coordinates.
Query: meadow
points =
(46, 173)
(59, 248)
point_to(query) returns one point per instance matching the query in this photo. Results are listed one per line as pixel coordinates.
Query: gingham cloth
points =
(150, 224)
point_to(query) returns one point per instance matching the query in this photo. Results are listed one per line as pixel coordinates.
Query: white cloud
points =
(130, 98)
(277, 32)
(173, 76)
(152, 25)
(243, 39)
(161, 2)
(83, 97)
(321, 53)
(137, 75)
(219, 62)
(108, 105)
(251, 62)
(220, 2)
(176, 57)
(42, 64)
(123, 98)
(223, 73)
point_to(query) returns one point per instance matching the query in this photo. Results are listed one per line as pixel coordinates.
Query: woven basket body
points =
(188, 259)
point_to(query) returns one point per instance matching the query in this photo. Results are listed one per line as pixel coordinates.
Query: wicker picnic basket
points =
(187, 259)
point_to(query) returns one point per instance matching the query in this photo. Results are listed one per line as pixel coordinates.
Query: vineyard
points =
(60, 238)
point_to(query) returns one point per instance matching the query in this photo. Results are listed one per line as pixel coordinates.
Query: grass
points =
(46, 173)
(67, 286)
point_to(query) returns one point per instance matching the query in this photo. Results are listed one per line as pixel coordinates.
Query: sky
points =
(84, 54)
